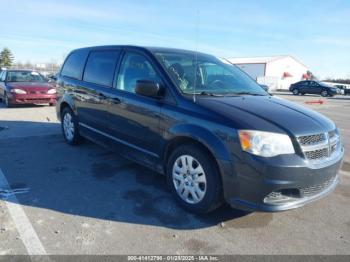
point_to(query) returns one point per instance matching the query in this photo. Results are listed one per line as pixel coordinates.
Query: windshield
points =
(326, 85)
(24, 76)
(207, 75)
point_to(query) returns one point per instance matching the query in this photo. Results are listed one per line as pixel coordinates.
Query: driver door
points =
(135, 119)
(314, 88)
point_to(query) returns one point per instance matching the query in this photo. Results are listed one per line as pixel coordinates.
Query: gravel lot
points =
(87, 200)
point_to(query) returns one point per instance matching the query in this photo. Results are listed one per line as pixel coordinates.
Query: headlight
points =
(18, 91)
(265, 144)
(51, 91)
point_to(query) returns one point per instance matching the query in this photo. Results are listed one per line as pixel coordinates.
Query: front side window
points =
(205, 74)
(135, 67)
(100, 67)
(2, 76)
(74, 65)
(313, 84)
(24, 76)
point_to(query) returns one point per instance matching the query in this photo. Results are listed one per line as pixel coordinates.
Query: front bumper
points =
(32, 99)
(279, 183)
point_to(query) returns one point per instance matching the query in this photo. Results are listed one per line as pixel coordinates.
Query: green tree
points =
(6, 57)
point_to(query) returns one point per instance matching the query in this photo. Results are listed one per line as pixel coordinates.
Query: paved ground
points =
(87, 200)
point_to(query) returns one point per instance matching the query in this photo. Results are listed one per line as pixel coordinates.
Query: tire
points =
(302, 94)
(69, 125)
(295, 92)
(52, 104)
(324, 93)
(204, 186)
(7, 102)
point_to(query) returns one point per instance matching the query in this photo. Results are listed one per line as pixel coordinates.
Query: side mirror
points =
(52, 78)
(148, 88)
(265, 87)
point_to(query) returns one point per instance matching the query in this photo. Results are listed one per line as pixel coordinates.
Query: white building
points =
(278, 72)
(346, 86)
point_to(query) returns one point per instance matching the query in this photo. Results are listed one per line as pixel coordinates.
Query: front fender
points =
(202, 135)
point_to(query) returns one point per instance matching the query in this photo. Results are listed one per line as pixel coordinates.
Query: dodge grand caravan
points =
(199, 120)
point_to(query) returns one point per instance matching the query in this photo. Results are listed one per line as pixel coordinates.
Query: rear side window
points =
(100, 67)
(74, 65)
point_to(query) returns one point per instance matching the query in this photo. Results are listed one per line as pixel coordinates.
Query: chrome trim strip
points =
(334, 140)
(322, 145)
(119, 140)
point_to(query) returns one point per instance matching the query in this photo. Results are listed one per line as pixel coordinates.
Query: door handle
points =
(102, 96)
(115, 100)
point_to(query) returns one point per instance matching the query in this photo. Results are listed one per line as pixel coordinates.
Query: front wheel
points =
(194, 179)
(324, 93)
(69, 126)
(7, 101)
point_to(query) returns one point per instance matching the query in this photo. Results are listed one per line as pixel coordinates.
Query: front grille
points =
(317, 154)
(37, 99)
(287, 195)
(319, 147)
(314, 190)
(37, 92)
(311, 140)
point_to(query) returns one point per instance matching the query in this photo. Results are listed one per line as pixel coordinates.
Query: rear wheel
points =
(69, 126)
(295, 92)
(324, 93)
(194, 179)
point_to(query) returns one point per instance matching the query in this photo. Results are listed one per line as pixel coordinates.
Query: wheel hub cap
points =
(68, 126)
(189, 179)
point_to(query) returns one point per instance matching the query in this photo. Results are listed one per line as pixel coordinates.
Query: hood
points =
(268, 113)
(30, 86)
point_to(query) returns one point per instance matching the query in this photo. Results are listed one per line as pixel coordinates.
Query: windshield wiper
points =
(246, 93)
(204, 93)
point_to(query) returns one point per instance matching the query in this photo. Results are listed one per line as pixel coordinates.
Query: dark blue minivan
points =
(213, 131)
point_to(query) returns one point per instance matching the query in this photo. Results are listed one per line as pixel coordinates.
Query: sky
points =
(315, 32)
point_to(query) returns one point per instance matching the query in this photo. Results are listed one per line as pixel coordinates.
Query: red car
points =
(25, 87)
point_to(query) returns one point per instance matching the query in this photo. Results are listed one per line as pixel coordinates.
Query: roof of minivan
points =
(149, 48)
(24, 70)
